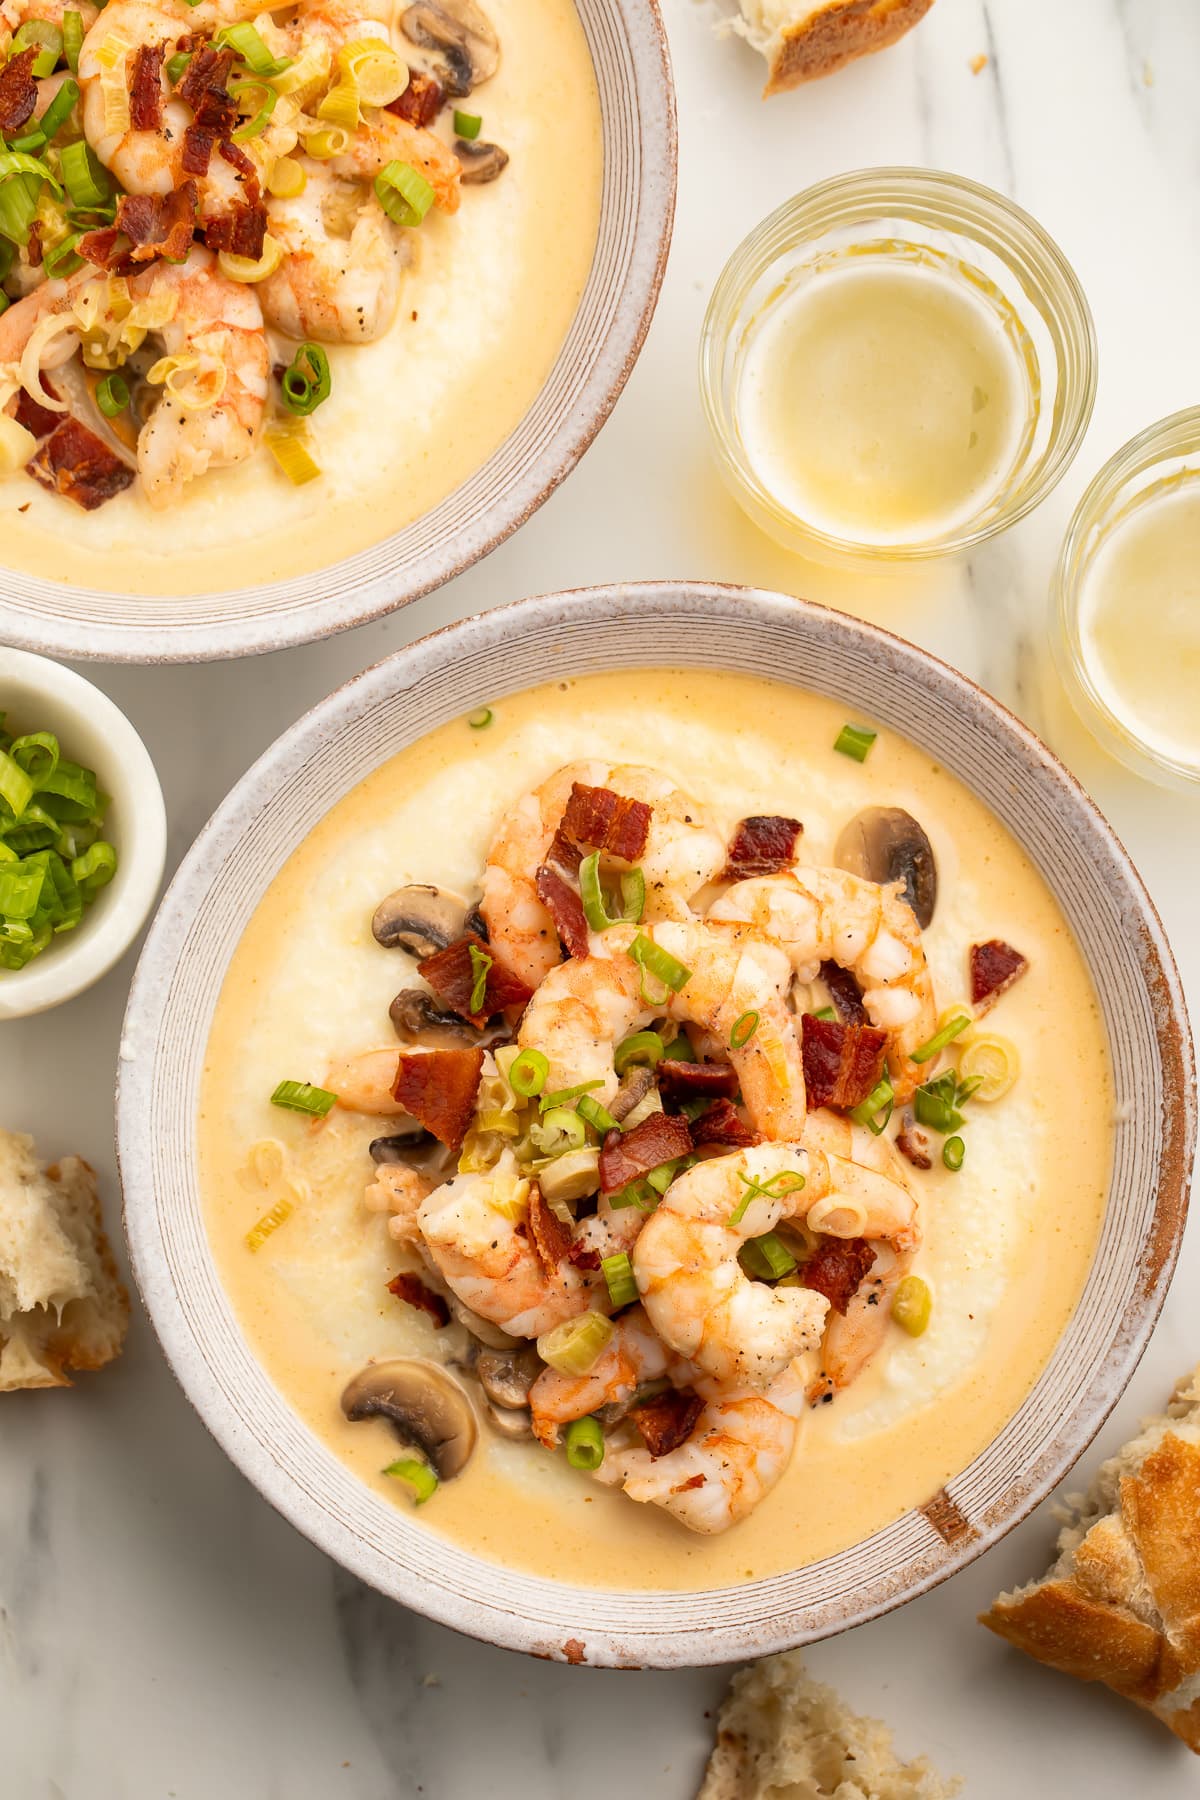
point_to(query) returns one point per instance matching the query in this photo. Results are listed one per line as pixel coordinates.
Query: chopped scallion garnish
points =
(953, 1152)
(825, 1012)
(643, 1047)
(303, 1097)
(595, 907)
(766, 1258)
(420, 1480)
(597, 1116)
(936, 1104)
(855, 741)
(952, 1029)
(404, 195)
(619, 1277)
(743, 1030)
(112, 395)
(306, 380)
(46, 38)
(564, 1096)
(479, 721)
(53, 861)
(585, 1443)
(467, 125)
(72, 30)
(481, 967)
(652, 959)
(527, 1076)
(875, 1111)
(787, 1181)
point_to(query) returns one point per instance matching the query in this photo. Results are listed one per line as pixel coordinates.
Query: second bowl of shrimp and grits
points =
(654, 1132)
(335, 285)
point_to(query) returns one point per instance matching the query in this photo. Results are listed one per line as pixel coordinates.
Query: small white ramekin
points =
(40, 695)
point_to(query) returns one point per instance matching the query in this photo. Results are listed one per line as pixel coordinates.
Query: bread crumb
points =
(979, 63)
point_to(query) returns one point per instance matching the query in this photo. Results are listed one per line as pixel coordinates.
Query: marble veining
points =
(163, 1635)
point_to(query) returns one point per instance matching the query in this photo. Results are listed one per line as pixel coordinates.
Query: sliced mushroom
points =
(420, 918)
(418, 1019)
(885, 843)
(506, 1376)
(475, 922)
(467, 50)
(417, 1149)
(425, 1406)
(636, 1083)
(480, 161)
(510, 1421)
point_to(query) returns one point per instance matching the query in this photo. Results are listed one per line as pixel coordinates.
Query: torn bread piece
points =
(1121, 1604)
(803, 41)
(62, 1305)
(783, 1736)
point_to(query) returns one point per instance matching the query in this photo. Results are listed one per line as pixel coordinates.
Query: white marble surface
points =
(162, 1633)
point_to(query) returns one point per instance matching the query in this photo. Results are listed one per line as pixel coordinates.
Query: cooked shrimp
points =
(398, 1191)
(741, 1445)
(852, 1338)
(819, 915)
(696, 1294)
(144, 162)
(632, 1357)
(585, 1007)
(364, 1083)
(339, 282)
(483, 1257)
(221, 323)
(683, 854)
(17, 322)
(15, 13)
(385, 138)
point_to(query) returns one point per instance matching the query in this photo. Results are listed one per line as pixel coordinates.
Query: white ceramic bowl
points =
(637, 107)
(269, 813)
(39, 695)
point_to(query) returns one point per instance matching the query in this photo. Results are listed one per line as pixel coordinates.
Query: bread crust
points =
(839, 33)
(1122, 1605)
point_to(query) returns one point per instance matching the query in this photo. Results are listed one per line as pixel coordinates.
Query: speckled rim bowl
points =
(637, 103)
(450, 673)
(40, 695)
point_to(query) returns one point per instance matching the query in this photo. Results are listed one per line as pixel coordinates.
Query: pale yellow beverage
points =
(1139, 619)
(886, 395)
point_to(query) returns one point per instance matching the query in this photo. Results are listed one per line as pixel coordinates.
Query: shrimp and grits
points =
(272, 288)
(666, 1166)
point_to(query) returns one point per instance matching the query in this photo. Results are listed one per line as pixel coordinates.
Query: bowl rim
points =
(127, 770)
(586, 1625)
(606, 361)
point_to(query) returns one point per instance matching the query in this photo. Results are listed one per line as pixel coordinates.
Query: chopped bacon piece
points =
(107, 247)
(994, 967)
(844, 993)
(565, 908)
(198, 142)
(583, 1256)
(550, 1235)
(35, 417)
(18, 90)
(409, 1287)
(206, 75)
(159, 224)
(606, 821)
(145, 88)
(837, 1269)
(667, 1420)
(762, 845)
(629, 1155)
(451, 975)
(74, 462)
(247, 173)
(241, 230)
(679, 1080)
(914, 1143)
(438, 1088)
(842, 1063)
(722, 1124)
(421, 101)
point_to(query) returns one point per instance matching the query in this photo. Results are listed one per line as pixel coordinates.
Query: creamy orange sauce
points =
(484, 311)
(1008, 1239)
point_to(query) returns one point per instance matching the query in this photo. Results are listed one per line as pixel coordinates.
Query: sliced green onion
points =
(636, 1193)
(935, 1104)
(875, 1111)
(564, 1096)
(479, 721)
(787, 1181)
(953, 1152)
(8, 256)
(60, 108)
(257, 124)
(20, 890)
(652, 959)
(112, 395)
(418, 1477)
(72, 30)
(527, 1076)
(303, 1097)
(177, 64)
(467, 125)
(644, 1047)
(743, 1030)
(60, 902)
(633, 895)
(404, 195)
(70, 793)
(46, 37)
(18, 204)
(968, 1087)
(83, 178)
(567, 1123)
(16, 789)
(16, 162)
(481, 966)
(855, 741)
(596, 1115)
(306, 380)
(95, 868)
(37, 753)
(766, 1258)
(63, 259)
(930, 1048)
(618, 1274)
(826, 1012)
(660, 1179)
(253, 51)
(585, 1443)
(575, 1346)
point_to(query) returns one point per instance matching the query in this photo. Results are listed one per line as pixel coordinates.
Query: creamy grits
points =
(484, 309)
(1008, 1239)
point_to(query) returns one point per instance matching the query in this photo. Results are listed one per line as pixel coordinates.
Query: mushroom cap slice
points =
(510, 1421)
(479, 160)
(506, 1376)
(426, 1407)
(885, 843)
(462, 36)
(418, 1019)
(419, 918)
